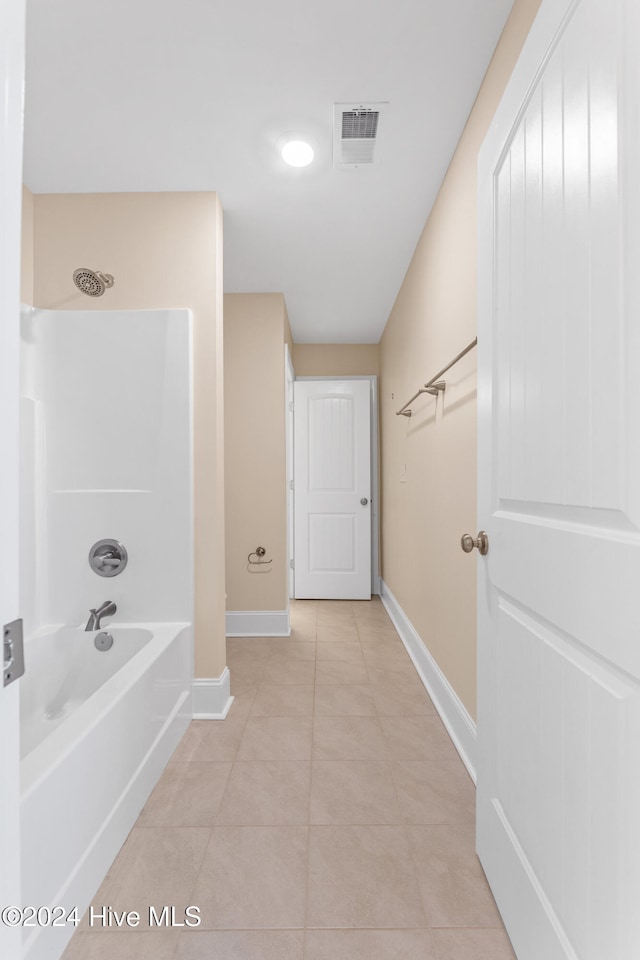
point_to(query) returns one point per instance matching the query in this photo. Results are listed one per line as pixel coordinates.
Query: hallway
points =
(327, 817)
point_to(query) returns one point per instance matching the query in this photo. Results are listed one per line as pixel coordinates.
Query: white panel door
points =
(12, 31)
(559, 488)
(332, 489)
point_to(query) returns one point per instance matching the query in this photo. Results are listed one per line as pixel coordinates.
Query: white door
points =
(559, 489)
(12, 30)
(332, 489)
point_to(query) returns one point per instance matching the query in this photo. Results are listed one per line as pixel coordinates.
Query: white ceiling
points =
(137, 95)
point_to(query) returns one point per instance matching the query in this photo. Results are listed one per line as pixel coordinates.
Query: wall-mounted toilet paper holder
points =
(258, 553)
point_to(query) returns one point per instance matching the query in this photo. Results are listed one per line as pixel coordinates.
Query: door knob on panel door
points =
(364, 501)
(467, 543)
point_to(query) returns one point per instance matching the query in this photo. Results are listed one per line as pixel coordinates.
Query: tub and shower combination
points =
(106, 452)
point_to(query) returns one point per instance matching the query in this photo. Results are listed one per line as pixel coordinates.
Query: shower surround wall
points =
(164, 250)
(107, 452)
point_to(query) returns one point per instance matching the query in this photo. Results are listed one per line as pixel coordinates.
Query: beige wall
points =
(256, 328)
(164, 250)
(336, 359)
(26, 276)
(429, 461)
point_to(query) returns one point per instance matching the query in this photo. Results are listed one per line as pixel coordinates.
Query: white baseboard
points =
(212, 696)
(258, 623)
(453, 713)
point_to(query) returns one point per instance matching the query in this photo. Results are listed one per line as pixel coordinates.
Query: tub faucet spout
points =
(107, 609)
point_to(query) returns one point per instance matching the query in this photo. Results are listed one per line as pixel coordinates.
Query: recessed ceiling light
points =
(297, 153)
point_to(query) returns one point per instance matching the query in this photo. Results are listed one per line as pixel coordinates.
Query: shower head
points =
(92, 282)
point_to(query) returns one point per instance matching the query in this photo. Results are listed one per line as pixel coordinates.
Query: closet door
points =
(332, 489)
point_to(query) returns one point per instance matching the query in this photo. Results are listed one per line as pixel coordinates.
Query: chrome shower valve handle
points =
(108, 558)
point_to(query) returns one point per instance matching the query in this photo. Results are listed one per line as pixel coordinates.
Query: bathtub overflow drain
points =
(53, 713)
(104, 641)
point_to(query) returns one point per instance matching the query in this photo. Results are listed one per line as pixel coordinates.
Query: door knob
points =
(481, 542)
(364, 501)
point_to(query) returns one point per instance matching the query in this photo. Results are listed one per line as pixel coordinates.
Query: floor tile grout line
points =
(306, 891)
(195, 883)
(391, 758)
(233, 762)
(307, 865)
(389, 764)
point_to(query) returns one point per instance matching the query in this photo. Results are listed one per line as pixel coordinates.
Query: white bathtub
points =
(99, 728)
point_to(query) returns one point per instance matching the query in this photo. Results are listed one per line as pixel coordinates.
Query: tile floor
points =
(328, 818)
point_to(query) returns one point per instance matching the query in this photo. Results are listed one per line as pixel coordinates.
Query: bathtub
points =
(97, 730)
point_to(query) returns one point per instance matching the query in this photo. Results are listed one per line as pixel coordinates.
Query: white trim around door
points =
(290, 376)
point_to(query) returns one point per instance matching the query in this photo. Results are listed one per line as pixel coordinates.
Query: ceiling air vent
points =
(355, 131)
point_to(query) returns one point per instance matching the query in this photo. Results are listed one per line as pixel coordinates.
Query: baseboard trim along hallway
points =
(212, 696)
(257, 623)
(460, 727)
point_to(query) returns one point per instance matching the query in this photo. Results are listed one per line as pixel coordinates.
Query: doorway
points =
(335, 495)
